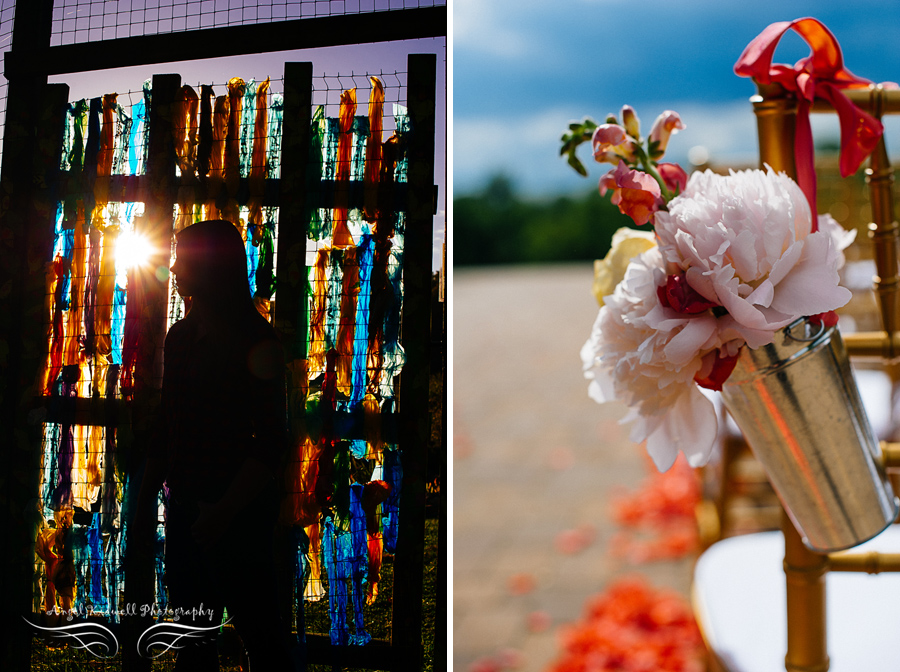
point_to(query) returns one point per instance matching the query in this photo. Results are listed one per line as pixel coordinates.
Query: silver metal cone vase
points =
(799, 408)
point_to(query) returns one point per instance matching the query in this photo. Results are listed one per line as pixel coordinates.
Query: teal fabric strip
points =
(401, 121)
(358, 157)
(315, 171)
(248, 116)
(121, 164)
(394, 356)
(333, 300)
(276, 122)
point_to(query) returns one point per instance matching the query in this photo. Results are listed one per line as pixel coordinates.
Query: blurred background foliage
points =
(499, 225)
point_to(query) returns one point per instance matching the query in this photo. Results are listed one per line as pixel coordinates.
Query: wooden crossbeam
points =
(314, 32)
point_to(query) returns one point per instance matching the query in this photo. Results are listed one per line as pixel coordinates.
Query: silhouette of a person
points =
(224, 433)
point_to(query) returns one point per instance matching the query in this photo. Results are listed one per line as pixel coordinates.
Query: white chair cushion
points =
(740, 604)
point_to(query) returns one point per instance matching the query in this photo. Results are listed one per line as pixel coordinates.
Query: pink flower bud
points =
(631, 122)
(674, 176)
(666, 123)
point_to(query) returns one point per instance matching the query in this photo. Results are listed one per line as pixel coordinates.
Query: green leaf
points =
(581, 131)
(577, 165)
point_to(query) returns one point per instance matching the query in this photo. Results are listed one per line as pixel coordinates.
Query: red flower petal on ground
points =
(462, 446)
(539, 621)
(522, 583)
(632, 626)
(574, 541)
(510, 658)
(659, 518)
(486, 664)
(561, 458)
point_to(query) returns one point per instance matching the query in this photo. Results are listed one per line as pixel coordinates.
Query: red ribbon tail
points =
(860, 131)
(803, 156)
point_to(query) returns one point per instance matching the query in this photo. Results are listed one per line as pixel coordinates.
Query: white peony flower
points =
(745, 242)
(647, 355)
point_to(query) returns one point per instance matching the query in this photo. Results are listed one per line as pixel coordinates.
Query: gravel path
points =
(533, 457)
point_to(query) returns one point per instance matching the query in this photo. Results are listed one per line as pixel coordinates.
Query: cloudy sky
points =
(522, 69)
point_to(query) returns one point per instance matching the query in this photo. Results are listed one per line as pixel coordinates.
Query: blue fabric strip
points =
(359, 564)
(364, 257)
(117, 324)
(390, 509)
(94, 539)
(337, 583)
(135, 136)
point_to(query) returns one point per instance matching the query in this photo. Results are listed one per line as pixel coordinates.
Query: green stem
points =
(650, 169)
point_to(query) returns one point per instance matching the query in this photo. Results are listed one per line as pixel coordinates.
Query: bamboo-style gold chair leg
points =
(804, 573)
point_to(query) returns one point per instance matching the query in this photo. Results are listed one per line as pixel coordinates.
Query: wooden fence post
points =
(414, 419)
(147, 302)
(290, 315)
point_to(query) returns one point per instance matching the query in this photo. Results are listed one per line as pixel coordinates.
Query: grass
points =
(378, 614)
(47, 658)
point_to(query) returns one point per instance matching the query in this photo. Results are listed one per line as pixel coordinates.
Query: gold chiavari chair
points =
(764, 601)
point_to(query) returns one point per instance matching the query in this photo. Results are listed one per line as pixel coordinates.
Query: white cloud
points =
(525, 146)
(727, 131)
(504, 29)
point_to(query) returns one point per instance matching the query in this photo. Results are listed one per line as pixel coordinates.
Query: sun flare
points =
(132, 249)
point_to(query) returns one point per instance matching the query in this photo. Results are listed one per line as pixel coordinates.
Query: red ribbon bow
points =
(821, 74)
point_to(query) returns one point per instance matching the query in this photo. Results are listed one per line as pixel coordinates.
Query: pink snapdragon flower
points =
(612, 143)
(636, 193)
(666, 124)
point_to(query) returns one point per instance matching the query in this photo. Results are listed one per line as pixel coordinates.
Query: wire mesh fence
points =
(342, 486)
(77, 21)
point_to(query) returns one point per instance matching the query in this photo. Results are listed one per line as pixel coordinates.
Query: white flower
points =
(646, 355)
(745, 242)
(626, 245)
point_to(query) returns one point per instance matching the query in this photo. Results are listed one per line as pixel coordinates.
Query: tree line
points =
(499, 226)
